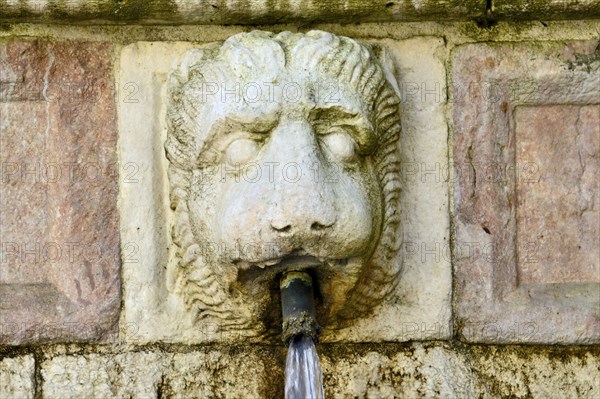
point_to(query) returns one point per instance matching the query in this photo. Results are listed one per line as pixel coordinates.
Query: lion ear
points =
(388, 66)
(194, 58)
(182, 140)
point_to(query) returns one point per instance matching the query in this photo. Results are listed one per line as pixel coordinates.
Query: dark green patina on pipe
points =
(298, 306)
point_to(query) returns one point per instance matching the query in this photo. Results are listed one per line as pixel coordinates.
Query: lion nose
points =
(311, 225)
(305, 206)
(315, 219)
(304, 203)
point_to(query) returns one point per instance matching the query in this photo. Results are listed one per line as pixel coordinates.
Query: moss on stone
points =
(116, 10)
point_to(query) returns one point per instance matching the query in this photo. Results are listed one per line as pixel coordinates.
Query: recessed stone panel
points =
(526, 213)
(59, 254)
(557, 193)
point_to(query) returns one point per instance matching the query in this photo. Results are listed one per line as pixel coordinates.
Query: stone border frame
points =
(489, 303)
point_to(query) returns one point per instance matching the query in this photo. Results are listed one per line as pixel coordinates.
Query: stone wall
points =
(501, 289)
(417, 370)
(294, 11)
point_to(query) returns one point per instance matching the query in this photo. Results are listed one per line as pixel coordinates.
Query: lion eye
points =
(341, 145)
(241, 151)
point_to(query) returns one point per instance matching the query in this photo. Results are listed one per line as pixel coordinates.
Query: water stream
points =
(303, 376)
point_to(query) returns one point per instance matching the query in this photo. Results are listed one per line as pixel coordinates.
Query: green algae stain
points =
(114, 10)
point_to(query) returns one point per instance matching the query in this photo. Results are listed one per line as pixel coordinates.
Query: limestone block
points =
(16, 377)
(423, 371)
(196, 374)
(237, 12)
(526, 158)
(136, 374)
(538, 374)
(256, 12)
(416, 370)
(220, 375)
(418, 308)
(549, 9)
(59, 242)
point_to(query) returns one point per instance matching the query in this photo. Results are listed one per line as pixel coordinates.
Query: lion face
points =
(276, 147)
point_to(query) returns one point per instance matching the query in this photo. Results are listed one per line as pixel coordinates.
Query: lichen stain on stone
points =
(433, 369)
(586, 61)
(508, 31)
(506, 365)
(117, 10)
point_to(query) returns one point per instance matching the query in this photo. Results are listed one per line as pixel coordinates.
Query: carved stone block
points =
(17, 377)
(268, 153)
(59, 242)
(526, 152)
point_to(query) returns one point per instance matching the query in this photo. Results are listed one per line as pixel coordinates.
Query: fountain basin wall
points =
(488, 304)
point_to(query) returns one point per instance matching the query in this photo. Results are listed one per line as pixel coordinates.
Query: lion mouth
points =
(269, 268)
(299, 258)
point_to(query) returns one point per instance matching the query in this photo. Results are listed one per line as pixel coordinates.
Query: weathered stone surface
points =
(59, 253)
(259, 12)
(365, 371)
(197, 374)
(16, 377)
(558, 149)
(537, 373)
(136, 374)
(548, 9)
(235, 12)
(144, 204)
(524, 202)
(420, 308)
(442, 371)
(221, 375)
(416, 373)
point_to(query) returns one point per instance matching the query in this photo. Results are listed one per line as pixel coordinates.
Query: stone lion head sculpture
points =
(283, 155)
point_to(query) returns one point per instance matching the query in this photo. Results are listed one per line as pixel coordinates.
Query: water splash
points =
(303, 376)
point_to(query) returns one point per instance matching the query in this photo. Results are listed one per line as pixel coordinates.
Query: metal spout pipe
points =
(298, 306)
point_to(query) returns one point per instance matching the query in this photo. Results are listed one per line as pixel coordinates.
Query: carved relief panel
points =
(262, 154)
(526, 152)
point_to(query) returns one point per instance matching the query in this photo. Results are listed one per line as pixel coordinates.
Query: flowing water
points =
(303, 376)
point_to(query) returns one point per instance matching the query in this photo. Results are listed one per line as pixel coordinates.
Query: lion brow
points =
(252, 123)
(360, 127)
